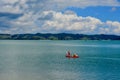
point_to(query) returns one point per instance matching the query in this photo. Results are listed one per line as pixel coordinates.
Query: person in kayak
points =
(68, 54)
(75, 55)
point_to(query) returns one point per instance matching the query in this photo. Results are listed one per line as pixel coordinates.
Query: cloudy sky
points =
(60, 16)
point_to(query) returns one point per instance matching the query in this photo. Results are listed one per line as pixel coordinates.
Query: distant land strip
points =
(59, 36)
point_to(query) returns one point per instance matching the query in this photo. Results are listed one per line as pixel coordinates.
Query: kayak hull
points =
(72, 56)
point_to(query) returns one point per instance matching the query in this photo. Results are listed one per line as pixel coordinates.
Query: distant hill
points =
(59, 36)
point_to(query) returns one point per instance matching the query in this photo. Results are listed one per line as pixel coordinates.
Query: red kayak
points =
(72, 56)
(68, 55)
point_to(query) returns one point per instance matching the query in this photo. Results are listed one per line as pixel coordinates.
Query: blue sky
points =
(60, 16)
(103, 13)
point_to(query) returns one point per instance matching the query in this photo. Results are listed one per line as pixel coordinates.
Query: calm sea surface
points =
(45, 60)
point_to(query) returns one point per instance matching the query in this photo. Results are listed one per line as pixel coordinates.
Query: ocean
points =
(45, 60)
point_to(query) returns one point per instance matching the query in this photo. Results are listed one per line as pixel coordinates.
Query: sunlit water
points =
(45, 60)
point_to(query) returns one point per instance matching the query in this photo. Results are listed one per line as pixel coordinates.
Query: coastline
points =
(59, 36)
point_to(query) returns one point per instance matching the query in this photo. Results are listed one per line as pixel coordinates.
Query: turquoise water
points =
(45, 60)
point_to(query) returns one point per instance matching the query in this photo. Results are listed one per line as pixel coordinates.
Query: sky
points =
(60, 16)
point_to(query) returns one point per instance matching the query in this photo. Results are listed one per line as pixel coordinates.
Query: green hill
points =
(59, 36)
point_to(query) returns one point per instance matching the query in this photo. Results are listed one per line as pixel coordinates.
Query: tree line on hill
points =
(59, 36)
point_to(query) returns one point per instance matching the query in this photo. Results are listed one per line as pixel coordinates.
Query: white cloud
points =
(45, 16)
(77, 24)
(70, 22)
(24, 24)
(11, 9)
(114, 26)
(56, 22)
(8, 1)
(13, 6)
(85, 3)
(17, 6)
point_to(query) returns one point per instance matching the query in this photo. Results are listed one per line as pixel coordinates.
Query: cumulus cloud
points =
(86, 3)
(34, 16)
(59, 22)
(114, 26)
(19, 6)
(69, 22)
(23, 24)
